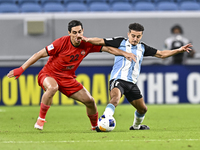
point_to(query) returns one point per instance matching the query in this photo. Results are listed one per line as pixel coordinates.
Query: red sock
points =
(93, 119)
(43, 110)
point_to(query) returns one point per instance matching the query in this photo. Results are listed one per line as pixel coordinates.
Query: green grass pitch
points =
(172, 127)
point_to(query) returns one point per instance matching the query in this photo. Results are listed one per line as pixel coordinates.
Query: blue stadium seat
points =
(76, 7)
(144, 6)
(99, 6)
(8, 1)
(72, 1)
(116, 1)
(135, 1)
(53, 7)
(180, 1)
(160, 1)
(167, 6)
(20, 2)
(191, 6)
(9, 8)
(121, 6)
(43, 2)
(94, 1)
(31, 7)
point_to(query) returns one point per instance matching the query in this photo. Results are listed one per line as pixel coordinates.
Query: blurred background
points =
(27, 26)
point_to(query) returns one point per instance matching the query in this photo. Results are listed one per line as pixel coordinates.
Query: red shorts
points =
(67, 86)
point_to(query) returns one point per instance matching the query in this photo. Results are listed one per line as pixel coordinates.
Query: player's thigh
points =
(50, 84)
(140, 105)
(83, 96)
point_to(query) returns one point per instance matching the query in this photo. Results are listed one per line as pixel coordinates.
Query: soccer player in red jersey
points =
(66, 53)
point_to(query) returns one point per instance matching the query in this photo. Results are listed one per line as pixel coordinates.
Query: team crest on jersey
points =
(83, 52)
(50, 47)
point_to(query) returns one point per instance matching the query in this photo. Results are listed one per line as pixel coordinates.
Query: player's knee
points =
(52, 89)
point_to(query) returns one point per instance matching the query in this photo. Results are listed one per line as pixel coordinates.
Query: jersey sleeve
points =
(54, 47)
(149, 51)
(113, 42)
(96, 48)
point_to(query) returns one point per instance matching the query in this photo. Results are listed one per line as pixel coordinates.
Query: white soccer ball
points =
(106, 124)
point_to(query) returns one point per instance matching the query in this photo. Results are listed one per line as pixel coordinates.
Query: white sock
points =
(110, 110)
(41, 118)
(138, 119)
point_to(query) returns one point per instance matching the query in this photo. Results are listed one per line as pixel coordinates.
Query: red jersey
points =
(65, 58)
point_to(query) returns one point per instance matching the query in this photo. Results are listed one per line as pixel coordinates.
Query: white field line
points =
(2, 110)
(96, 141)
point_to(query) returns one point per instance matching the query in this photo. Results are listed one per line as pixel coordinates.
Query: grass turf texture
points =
(172, 127)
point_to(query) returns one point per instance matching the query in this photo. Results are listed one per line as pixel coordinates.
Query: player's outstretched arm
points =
(168, 53)
(18, 71)
(95, 40)
(118, 52)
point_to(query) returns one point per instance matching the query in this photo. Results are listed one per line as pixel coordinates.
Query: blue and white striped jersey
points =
(123, 68)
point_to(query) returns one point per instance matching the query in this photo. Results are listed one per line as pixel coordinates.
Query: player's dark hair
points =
(74, 23)
(177, 27)
(136, 27)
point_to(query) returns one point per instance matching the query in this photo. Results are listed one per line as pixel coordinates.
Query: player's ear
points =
(69, 32)
(128, 34)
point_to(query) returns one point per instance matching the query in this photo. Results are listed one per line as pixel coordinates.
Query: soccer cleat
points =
(93, 128)
(97, 129)
(142, 127)
(39, 124)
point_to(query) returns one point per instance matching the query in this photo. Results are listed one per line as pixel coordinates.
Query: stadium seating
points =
(111, 1)
(9, 8)
(43, 2)
(20, 2)
(30, 8)
(72, 1)
(158, 1)
(98, 6)
(167, 6)
(187, 5)
(121, 6)
(53, 7)
(180, 1)
(76, 7)
(94, 1)
(8, 1)
(135, 1)
(144, 6)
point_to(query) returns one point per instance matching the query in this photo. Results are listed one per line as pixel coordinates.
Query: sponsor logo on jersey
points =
(83, 52)
(50, 47)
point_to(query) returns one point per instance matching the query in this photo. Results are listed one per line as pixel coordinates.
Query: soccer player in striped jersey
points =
(66, 53)
(125, 73)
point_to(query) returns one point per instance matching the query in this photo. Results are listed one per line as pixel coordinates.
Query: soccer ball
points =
(106, 123)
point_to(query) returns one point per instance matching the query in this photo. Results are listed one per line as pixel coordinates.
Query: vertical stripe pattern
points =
(125, 69)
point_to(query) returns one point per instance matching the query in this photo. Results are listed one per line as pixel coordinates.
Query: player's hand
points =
(15, 72)
(186, 48)
(131, 56)
(83, 38)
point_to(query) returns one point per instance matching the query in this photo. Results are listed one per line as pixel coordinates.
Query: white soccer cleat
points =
(39, 124)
